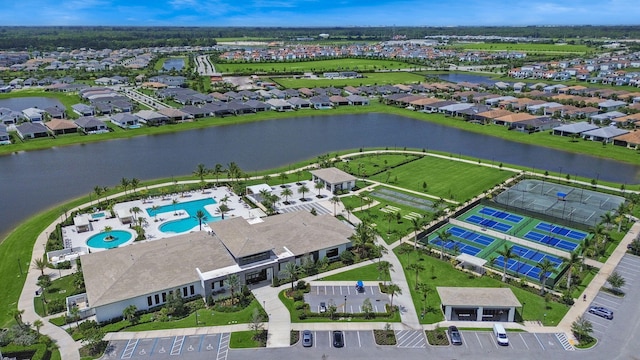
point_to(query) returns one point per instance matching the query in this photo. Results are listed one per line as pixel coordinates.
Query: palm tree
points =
(40, 264)
(444, 238)
(17, 316)
(124, 182)
(155, 209)
(334, 200)
(546, 266)
(621, 211)
(423, 289)
(129, 313)
(234, 283)
(98, 190)
(201, 171)
(217, 170)
(389, 216)
(607, 220)
(507, 254)
(417, 267)
(318, 186)
(362, 238)
(571, 262)
(75, 314)
(223, 208)
(416, 225)
(174, 202)
(283, 176)
(38, 324)
(393, 290)
(286, 192)
(291, 271)
(349, 208)
(385, 268)
(598, 234)
(134, 183)
(302, 190)
(200, 216)
(135, 211)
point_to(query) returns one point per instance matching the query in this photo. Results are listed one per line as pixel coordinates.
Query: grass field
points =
(445, 178)
(525, 47)
(318, 66)
(440, 273)
(369, 79)
(67, 99)
(369, 164)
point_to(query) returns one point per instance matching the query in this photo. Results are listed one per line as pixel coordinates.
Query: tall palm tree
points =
(98, 190)
(389, 216)
(607, 220)
(286, 192)
(349, 208)
(621, 211)
(334, 200)
(362, 238)
(223, 208)
(393, 290)
(217, 170)
(385, 268)
(17, 316)
(124, 182)
(507, 254)
(155, 209)
(571, 262)
(200, 216)
(40, 264)
(134, 183)
(201, 171)
(283, 176)
(303, 190)
(135, 211)
(38, 324)
(129, 313)
(318, 186)
(174, 202)
(423, 289)
(234, 283)
(416, 225)
(417, 267)
(291, 271)
(444, 238)
(545, 267)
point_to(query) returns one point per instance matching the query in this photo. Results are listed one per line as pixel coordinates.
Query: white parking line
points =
(539, 342)
(315, 336)
(479, 342)
(359, 343)
(602, 300)
(525, 343)
(464, 341)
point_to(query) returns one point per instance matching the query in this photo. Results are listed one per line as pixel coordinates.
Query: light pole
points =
(345, 304)
(20, 266)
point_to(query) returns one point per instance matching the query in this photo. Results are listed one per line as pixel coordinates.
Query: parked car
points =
(307, 338)
(601, 311)
(454, 335)
(338, 339)
(323, 307)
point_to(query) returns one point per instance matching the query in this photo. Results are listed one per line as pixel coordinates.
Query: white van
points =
(500, 334)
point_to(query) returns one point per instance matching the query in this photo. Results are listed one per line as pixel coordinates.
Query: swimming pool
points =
(100, 240)
(186, 224)
(98, 215)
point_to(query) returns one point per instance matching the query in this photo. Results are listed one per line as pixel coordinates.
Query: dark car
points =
(307, 338)
(454, 335)
(338, 339)
(601, 311)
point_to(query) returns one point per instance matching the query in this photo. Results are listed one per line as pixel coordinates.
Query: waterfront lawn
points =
(442, 273)
(369, 164)
(366, 273)
(369, 79)
(445, 178)
(318, 66)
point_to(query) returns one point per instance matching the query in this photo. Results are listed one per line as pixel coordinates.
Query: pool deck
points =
(153, 223)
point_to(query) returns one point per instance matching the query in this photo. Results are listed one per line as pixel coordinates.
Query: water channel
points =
(35, 180)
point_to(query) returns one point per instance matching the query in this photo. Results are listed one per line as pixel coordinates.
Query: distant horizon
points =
(320, 14)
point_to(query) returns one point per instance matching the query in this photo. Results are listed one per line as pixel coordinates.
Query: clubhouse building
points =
(198, 263)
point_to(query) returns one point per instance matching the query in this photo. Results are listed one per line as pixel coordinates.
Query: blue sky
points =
(319, 12)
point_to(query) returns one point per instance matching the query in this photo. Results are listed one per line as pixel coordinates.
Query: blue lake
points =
(173, 64)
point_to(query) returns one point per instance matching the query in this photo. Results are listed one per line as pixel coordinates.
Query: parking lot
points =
(629, 268)
(214, 345)
(518, 341)
(352, 339)
(344, 295)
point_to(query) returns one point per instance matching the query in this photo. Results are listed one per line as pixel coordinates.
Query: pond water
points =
(37, 180)
(458, 78)
(21, 103)
(173, 63)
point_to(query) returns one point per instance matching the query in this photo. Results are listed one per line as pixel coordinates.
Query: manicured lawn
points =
(525, 47)
(319, 66)
(60, 289)
(390, 228)
(445, 178)
(441, 273)
(369, 164)
(365, 273)
(369, 79)
(243, 340)
(206, 317)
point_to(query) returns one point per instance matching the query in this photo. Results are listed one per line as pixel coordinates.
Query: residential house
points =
(610, 105)
(299, 103)
(257, 105)
(33, 114)
(125, 120)
(357, 100)
(321, 102)
(152, 118)
(630, 140)
(604, 134)
(61, 126)
(83, 109)
(91, 125)
(29, 130)
(574, 129)
(56, 112)
(10, 117)
(5, 138)
(338, 100)
(280, 104)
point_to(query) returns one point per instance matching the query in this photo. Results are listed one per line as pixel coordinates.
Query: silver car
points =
(307, 338)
